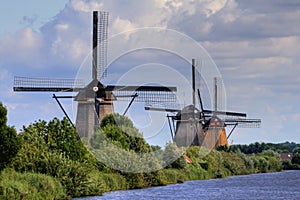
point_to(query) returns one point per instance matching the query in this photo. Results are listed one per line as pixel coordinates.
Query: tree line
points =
(255, 148)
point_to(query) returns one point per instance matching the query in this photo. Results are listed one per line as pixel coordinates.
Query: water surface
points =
(280, 185)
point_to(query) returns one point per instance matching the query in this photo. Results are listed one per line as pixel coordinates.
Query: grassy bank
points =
(83, 181)
(27, 185)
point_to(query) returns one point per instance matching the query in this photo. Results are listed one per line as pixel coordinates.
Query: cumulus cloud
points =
(22, 47)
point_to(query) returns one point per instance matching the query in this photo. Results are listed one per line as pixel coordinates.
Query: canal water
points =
(280, 185)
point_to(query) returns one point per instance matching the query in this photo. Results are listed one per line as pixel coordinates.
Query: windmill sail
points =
(100, 32)
(26, 84)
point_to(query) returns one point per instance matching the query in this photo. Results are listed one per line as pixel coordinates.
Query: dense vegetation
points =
(10, 143)
(274, 149)
(46, 161)
(286, 147)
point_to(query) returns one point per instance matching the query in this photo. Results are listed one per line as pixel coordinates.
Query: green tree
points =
(58, 135)
(296, 150)
(9, 140)
(296, 159)
(120, 131)
(52, 148)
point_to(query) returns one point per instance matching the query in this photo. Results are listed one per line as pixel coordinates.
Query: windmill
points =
(202, 127)
(95, 100)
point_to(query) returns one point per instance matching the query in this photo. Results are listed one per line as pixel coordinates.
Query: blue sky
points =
(255, 45)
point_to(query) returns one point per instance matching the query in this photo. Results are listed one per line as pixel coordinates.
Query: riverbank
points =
(279, 185)
(216, 164)
(51, 162)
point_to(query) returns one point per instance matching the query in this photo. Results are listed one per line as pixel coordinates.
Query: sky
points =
(253, 44)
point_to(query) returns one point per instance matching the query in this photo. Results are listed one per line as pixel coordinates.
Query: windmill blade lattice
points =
(144, 93)
(163, 106)
(102, 32)
(244, 123)
(46, 84)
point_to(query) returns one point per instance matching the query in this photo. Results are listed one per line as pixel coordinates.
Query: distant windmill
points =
(95, 100)
(201, 127)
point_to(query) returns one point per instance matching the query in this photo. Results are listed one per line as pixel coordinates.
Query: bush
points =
(261, 164)
(234, 163)
(195, 173)
(271, 153)
(14, 185)
(120, 131)
(109, 181)
(173, 157)
(275, 164)
(296, 159)
(73, 175)
(173, 176)
(36, 156)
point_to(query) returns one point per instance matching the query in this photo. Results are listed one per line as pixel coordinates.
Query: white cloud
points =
(62, 27)
(122, 25)
(86, 6)
(22, 47)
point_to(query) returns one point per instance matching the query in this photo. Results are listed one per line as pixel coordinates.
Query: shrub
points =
(261, 164)
(296, 159)
(234, 163)
(173, 176)
(173, 157)
(119, 130)
(14, 185)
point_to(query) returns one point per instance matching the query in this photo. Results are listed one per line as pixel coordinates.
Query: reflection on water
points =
(281, 185)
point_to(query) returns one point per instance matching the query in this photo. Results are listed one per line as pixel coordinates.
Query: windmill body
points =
(188, 128)
(215, 133)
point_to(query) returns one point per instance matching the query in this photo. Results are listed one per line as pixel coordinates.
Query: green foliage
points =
(234, 163)
(3, 115)
(171, 175)
(57, 135)
(108, 181)
(275, 164)
(14, 185)
(10, 143)
(271, 153)
(296, 159)
(195, 173)
(261, 164)
(296, 150)
(156, 148)
(173, 157)
(38, 158)
(225, 148)
(142, 180)
(255, 148)
(125, 159)
(119, 130)
(58, 154)
(116, 119)
(248, 162)
(286, 165)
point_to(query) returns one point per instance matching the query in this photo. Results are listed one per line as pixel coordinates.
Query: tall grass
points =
(15, 185)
